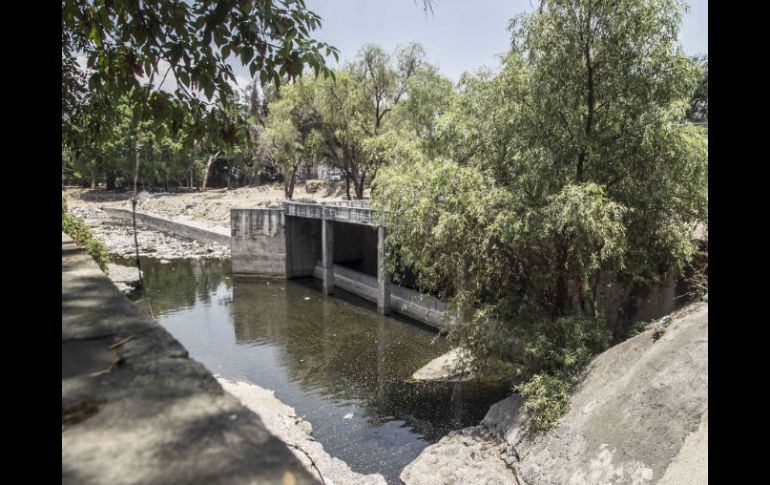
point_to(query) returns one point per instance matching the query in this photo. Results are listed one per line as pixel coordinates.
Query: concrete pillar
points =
(327, 255)
(383, 277)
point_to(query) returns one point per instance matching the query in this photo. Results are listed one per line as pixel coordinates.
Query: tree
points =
(584, 170)
(429, 96)
(291, 135)
(382, 82)
(131, 49)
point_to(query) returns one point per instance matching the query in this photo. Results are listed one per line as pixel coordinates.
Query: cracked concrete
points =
(137, 409)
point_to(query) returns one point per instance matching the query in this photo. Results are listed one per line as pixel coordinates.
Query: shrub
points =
(312, 186)
(81, 234)
(546, 400)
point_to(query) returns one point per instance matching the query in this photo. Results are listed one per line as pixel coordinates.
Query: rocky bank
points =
(153, 244)
(639, 416)
(282, 421)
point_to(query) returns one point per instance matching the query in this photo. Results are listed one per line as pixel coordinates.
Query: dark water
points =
(339, 364)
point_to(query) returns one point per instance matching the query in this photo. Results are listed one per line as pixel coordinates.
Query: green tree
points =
(570, 164)
(429, 96)
(699, 105)
(291, 136)
(131, 49)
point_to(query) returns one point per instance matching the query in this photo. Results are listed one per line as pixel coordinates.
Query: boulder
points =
(452, 366)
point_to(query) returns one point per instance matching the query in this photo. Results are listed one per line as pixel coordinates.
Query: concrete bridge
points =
(340, 243)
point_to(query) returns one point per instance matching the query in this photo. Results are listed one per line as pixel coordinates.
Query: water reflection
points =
(333, 359)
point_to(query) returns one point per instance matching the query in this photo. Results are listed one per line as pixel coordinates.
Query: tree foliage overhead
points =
(574, 162)
(132, 49)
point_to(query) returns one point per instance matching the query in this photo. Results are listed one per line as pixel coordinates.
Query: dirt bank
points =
(211, 207)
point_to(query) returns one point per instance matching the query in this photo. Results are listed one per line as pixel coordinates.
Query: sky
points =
(460, 35)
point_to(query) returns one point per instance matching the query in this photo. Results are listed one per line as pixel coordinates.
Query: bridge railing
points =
(349, 203)
(332, 211)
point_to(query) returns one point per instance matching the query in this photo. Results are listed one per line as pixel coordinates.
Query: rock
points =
(126, 278)
(639, 416)
(452, 366)
(281, 420)
(305, 426)
(458, 459)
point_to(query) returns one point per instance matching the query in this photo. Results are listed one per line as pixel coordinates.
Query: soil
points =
(211, 208)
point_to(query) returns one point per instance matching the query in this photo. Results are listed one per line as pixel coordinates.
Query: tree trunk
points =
(210, 161)
(289, 182)
(93, 178)
(359, 186)
(111, 180)
(347, 186)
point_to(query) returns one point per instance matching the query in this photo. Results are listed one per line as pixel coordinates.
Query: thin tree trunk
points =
(347, 186)
(289, 183)
(210, 161)
(134, 200)
(93, 178)
(360, 186)
(111, 180)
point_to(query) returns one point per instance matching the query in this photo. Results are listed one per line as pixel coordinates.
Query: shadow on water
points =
(339, 364)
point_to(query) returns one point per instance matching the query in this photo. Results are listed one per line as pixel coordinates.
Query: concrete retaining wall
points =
(423, 308)
(186, 229)
(258, 242)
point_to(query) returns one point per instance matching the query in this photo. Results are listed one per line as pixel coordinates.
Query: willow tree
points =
(291, 136)
(574, 161)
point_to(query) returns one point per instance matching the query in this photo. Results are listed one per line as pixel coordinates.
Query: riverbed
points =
(341, 366)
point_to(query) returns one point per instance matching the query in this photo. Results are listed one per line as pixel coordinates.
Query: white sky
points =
(461, 35)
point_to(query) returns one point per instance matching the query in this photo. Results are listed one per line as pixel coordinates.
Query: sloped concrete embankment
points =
(137, 409)
(639, 416)
(187, 229)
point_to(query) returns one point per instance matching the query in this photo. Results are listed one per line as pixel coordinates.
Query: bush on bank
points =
(81, 234)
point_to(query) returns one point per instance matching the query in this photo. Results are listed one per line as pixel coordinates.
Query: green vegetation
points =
(81, 234)
(516, 194)
(588, 170)
(132, 49)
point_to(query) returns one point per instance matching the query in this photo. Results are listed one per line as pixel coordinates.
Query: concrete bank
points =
(186, 229)
(137, 409)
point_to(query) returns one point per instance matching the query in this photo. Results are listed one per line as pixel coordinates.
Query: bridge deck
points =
(352, 212)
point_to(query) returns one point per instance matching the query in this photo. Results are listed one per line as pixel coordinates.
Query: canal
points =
(333, 359)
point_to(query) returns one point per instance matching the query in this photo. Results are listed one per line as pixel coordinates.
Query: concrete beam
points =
(327, 255)
(383, 277)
